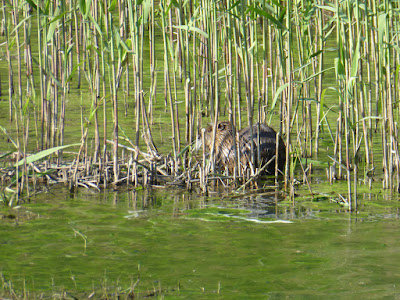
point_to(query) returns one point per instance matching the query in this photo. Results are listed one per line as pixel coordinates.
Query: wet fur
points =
(225, 152)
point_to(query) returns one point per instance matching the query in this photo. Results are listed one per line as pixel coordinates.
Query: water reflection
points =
(263, 204)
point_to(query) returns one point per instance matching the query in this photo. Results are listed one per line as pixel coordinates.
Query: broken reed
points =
(244, 61)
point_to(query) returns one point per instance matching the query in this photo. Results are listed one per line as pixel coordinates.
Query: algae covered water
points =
(176, 245)
(331, 69)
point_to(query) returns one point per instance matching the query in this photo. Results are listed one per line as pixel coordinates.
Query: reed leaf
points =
(191, 28)
(267, 15)
(42, 154)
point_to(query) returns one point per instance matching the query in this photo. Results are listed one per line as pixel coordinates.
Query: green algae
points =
(182, 246)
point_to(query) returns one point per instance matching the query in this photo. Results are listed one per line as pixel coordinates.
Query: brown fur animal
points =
(265, 141)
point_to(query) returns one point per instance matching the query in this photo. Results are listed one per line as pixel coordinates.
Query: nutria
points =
(224, 150)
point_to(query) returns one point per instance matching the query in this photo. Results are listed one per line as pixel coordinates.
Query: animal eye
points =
(221, 126)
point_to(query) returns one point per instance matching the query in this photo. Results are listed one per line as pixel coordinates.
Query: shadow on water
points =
(174, 244)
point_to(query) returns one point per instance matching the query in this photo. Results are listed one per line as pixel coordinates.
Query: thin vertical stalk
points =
(167, 80)
(289, 92)
(10, 68)
(114, 101)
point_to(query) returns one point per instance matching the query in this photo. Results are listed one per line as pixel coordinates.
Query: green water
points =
(171, 244)
(182, 246)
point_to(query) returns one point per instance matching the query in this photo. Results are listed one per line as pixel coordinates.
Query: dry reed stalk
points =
(114, 94)
(203, 169)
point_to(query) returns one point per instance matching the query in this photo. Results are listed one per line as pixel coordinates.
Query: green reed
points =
(244, 61)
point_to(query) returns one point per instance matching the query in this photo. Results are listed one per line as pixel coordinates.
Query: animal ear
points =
(221, 126)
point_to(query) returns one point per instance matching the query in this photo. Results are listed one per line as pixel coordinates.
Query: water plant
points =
(324, 74)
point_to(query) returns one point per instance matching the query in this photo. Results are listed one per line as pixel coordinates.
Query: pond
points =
(172, 244)
(168, 243)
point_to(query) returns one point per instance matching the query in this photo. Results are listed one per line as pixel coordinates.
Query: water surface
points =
(177, 245)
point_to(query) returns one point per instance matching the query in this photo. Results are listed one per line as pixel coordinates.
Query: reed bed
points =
(324, 74)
